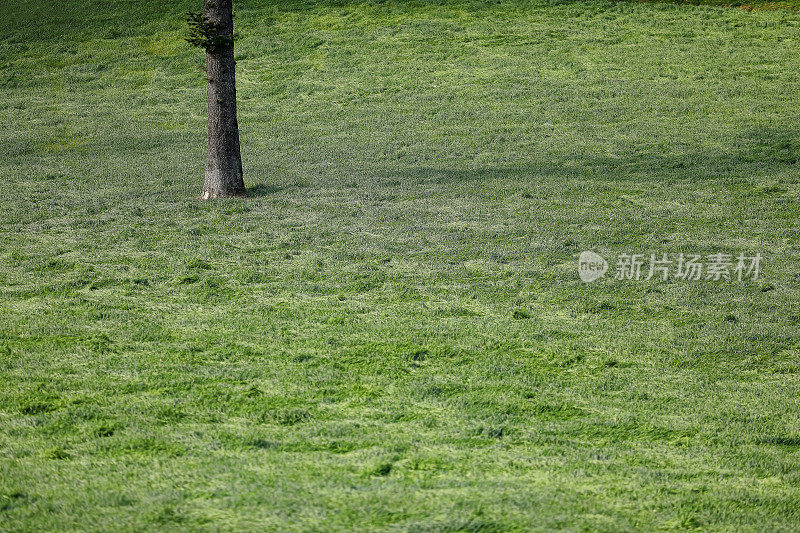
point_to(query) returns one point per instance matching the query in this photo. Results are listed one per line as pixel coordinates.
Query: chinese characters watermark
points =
(685, 267)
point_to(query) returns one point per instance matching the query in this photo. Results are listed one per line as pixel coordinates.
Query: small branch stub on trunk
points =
(213, 30)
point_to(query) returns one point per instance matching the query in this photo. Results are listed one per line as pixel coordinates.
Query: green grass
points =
(390, 332)
(792, 5)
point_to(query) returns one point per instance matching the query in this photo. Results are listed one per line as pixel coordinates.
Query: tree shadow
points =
(752, 154)
(262, 189)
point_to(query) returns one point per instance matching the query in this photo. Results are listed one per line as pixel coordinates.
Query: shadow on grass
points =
(751, 154)
(262, 189)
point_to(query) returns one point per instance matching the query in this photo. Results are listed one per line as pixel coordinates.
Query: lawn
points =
(390, 333)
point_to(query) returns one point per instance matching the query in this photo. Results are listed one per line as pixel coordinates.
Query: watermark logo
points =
(591, 266)
(684, 267)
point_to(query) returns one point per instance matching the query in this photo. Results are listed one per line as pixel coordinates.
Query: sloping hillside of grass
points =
(390, 333)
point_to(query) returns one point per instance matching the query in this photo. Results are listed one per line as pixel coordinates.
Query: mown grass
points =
(390, 332)
(791, 5)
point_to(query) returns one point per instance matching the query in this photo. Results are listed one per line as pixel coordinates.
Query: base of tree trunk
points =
(210, 195)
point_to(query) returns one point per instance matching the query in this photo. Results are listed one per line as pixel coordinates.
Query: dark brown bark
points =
(224, 160)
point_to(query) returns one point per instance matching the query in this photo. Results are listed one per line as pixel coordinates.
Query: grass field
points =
(390, 333)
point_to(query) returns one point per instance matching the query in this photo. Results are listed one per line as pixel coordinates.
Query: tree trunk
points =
(224, 160)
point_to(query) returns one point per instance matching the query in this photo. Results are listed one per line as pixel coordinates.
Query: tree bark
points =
(224, 161)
